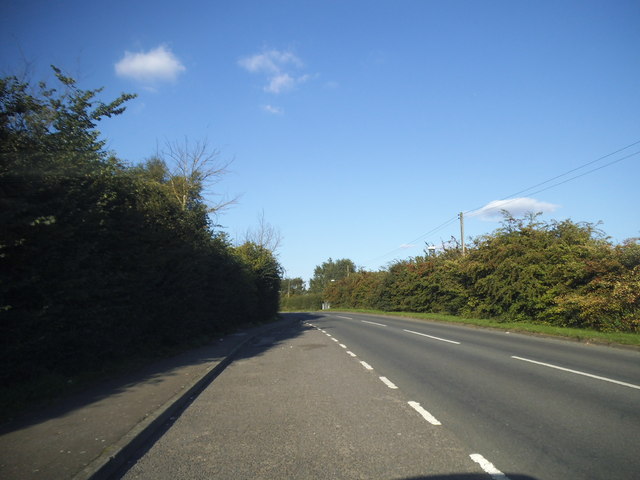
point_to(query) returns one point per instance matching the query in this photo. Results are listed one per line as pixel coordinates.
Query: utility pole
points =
(462, 232)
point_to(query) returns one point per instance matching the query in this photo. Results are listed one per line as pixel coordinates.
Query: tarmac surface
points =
(294, 405)
(287, 402)
(91, 435)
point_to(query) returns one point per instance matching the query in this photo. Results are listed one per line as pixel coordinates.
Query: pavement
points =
(294, 404)
(92, 434)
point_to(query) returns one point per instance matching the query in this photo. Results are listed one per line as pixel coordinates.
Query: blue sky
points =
(357, 127)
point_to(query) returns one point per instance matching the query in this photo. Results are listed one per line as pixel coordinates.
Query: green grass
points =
(579, 334)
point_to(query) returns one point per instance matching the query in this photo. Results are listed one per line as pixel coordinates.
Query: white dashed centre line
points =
(346, 318)
(388, 382)
(351, 353)
(488, 467)
(366, 365)
(426, 415)
(373, 323)
(630, 385)
(431, 336)
(334, 339)
(343, 345)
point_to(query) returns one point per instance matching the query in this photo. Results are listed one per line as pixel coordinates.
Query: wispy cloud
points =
(273, 110)
(279, 67)
(516, 206)
(271, 62)
(156, 65)
(280, 82)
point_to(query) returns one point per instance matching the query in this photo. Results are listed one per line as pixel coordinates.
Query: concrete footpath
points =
(90, 435)
(296, 404)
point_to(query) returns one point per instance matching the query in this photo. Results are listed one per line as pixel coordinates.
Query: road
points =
(294, 405)
(548, 408)
(359, 396)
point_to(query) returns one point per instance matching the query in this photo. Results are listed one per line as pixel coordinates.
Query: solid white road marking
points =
(343, 345)
(351, 353)
(488, 467)
(346, 318)
(426, 415)
(366, 365)
(630, 385)
(388, 382)
(431, 336)
(373, 323)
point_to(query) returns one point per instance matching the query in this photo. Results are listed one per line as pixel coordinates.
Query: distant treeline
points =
(557, 273)
(100, 261)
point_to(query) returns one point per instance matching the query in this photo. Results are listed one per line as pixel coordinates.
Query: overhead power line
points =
(430, 232)
(568, 172)
(586, 173)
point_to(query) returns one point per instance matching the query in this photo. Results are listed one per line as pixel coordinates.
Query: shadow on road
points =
(258, 346)
(470, 476)
(255, 347)
(148, 375)
(272, 339)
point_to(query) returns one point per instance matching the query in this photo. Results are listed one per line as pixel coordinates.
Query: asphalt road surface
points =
(547, 408)
(357, 396)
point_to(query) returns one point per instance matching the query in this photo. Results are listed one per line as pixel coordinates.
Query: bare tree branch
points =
(266, 235)
(194, 169)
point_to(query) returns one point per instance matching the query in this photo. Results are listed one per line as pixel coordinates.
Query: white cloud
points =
(159, 64)
(280, 82)
(271, 62)
(283, 82)
(277, 66)
(273, 110)
(515, 206)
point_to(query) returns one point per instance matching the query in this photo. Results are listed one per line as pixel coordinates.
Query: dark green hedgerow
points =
(553, 273)
(100, 262)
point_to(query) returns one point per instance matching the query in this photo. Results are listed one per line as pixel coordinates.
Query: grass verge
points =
(579, 334)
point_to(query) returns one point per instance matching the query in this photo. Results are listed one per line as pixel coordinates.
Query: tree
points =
(54, 209)
(330, 271)
(52, 121)
(100, 261)
(266, 235)
(154, 170)
(50, 157)
(293, 286)
(556, 272)
(266, 272)
(193, 170)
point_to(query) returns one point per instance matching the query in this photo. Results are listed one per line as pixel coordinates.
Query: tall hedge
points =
(98, 262)
(557, 272)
